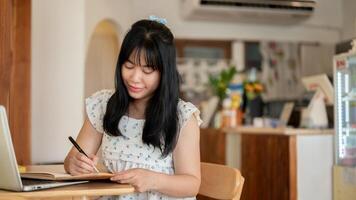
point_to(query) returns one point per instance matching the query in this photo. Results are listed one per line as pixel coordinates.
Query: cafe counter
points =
(277, 163)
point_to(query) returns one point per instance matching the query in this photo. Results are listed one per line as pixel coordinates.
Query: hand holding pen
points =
(84, 165)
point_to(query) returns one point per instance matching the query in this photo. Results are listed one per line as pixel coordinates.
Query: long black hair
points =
(156, 41)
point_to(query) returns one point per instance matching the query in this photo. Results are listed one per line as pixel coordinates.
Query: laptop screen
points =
(10, 176)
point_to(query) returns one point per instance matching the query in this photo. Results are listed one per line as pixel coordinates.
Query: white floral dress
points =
(128, 151)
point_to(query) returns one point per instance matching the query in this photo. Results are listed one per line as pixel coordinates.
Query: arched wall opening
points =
(101, 57)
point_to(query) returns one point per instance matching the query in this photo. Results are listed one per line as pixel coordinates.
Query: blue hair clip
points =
(158, 19)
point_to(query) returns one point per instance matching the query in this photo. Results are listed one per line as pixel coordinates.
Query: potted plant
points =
(219, 85)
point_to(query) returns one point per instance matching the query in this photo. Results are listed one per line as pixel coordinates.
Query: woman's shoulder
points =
(103, 94)
(185, 105)
(186, 110)
(99, 99)
(96, 107)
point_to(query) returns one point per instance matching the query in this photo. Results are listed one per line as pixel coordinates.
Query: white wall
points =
(349, 19)
(117, 11)
(57, 84)
(314, 167)
(61, 32)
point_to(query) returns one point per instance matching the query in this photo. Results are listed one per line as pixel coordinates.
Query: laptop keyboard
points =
(29, 182)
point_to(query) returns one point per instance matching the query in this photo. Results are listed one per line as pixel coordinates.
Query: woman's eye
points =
(129, 66)
(147, 70)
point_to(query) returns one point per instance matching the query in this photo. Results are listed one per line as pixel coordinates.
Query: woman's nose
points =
(136, 74)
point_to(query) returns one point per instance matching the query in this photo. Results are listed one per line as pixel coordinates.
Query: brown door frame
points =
(15, 72)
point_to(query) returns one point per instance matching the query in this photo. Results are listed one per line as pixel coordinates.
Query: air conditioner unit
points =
(255, 11)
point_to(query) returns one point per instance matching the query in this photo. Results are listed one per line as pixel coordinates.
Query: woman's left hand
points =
(141, 179)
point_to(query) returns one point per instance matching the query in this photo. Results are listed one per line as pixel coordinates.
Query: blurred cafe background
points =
(273, 80)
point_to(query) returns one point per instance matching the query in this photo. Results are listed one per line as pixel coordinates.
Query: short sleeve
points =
(95, 107)
(185, 111)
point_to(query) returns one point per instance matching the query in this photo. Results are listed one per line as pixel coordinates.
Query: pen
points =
(80, 150)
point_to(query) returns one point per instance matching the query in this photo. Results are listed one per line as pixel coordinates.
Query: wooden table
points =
(80, 191)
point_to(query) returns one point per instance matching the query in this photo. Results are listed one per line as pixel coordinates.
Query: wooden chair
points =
(220, 182)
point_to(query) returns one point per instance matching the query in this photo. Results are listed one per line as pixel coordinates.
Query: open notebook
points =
(56, 172)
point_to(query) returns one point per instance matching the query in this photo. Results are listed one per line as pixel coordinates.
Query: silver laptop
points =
(9, 174)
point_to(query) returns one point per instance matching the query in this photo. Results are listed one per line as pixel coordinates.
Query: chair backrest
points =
(220, 182)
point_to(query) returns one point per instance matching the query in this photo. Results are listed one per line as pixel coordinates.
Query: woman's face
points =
(141, 81)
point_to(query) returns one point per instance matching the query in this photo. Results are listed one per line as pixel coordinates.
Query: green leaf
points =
(220, 82)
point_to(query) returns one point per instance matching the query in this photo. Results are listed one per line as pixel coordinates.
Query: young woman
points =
(149, 137)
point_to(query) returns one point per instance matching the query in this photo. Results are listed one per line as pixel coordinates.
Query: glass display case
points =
(344, 170)
(345, 109)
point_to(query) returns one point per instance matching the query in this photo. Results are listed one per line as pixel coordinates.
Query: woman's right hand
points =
(89, 140)
(78, 163)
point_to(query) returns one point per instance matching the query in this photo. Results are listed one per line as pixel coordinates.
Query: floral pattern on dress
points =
(128, 151)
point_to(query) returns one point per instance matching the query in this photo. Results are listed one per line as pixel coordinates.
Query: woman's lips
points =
(134, 89)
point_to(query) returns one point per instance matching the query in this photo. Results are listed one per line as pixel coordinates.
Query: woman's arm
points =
(186, 157)
(89, 140)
